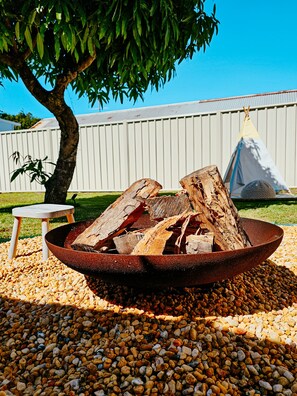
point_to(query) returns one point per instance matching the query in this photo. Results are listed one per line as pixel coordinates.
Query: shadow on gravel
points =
(56, 349)
(265, 288)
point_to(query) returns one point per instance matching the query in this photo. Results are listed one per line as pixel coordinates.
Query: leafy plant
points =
(34, 168)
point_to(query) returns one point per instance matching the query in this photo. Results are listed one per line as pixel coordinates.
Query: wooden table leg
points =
(45, 228)
(14, 237)
(70, 218)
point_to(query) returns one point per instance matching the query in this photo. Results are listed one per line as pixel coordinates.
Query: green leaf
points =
(102, 31)
(138, 23)
(73, 41)
(134, 55)
(57, 48)
(64, 40)
(82, 15)
(16, 173)
(110, 38)
(124, 28)
(76, 55)
(17, 30)
(167, 37)
(33, 177)
(86, 35)
(66, 12)
(29, 38)
(40, 46)
(136, 37)
(58, 11)
(3, 44)
(31, 17)
(118, 28)
(90, 45)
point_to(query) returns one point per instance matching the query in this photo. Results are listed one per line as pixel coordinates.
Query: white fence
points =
(112, 156)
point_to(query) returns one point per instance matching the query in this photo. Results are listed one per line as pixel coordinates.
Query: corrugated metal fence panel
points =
(112, 156)
(36, 143)
(102, 163)
(277, 127)
(290, 166)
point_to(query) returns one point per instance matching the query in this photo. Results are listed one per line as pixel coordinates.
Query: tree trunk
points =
(57, 186)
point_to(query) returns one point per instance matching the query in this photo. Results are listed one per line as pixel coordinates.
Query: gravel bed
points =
(66, 334)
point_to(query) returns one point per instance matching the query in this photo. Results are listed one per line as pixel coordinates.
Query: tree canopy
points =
(102, 48)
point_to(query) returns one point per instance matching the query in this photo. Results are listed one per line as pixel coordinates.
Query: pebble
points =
(289, 376)
(265, 385)
(277, 388)
(21, 386)
(240, 355)
(66, 334)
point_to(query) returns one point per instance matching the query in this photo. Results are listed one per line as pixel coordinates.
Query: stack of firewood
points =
(201, 218)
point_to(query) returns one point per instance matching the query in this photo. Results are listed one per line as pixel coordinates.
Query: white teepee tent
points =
(251, 161)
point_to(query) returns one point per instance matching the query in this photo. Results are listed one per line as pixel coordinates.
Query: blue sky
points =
(255, 51)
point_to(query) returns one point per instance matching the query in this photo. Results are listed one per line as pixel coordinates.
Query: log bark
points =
(217, 212)
(118, 216)
(167, 206)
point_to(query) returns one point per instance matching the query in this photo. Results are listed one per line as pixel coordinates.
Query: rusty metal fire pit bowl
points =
(177, 270)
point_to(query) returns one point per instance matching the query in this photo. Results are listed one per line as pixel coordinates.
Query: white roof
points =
(6, 125)
(186, 108)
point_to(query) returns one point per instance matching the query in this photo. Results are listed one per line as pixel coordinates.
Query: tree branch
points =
(32, 84)
(63, 80)
(7, 59)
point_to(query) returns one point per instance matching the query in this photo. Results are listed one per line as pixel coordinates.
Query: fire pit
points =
(178, 270)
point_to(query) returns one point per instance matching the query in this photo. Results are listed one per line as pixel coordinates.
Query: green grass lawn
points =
(87, 206)
(90, 205)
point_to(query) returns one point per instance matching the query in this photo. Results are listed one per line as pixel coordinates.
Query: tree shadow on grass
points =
(263, 289)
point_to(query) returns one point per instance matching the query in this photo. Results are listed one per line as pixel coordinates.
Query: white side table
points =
(39, 211)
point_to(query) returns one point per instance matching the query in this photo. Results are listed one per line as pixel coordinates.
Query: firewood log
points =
(167, 206)
(125, 243)
(155, 238)
(217, 212)
(199, 243)
(118, 216)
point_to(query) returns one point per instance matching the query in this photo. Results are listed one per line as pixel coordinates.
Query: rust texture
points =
(178, 270)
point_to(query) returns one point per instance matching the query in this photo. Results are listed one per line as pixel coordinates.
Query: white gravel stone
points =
(289, 376)
(137, 381)
(277, 388)
(266, 385)
(21, 386)
(241, 355)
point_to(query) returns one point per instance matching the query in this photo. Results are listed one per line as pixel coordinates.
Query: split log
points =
(209, 196)
(191, 225)
(155, 239)
(199, 243)
(118, 216)
(125, 243)
(167, 206)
